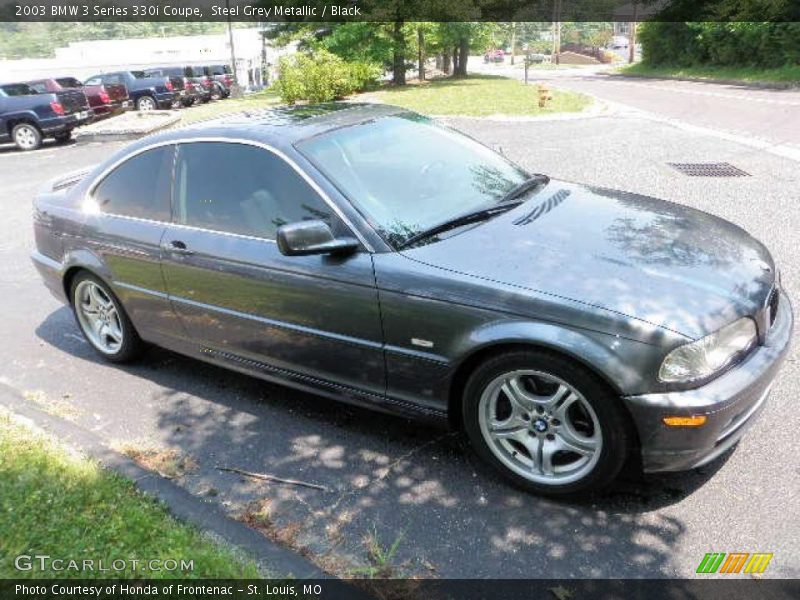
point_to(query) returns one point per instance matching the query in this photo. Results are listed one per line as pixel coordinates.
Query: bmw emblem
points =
(540, 425)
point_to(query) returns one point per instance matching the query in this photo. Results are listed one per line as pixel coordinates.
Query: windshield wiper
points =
(526, 186)
(474, 216)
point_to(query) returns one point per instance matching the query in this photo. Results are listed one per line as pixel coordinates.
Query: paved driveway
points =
(393, 478)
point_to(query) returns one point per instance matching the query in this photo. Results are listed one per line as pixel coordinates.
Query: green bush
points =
(732, 44)
(322, 77)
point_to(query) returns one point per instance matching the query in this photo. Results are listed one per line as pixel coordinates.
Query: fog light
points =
(693, 421)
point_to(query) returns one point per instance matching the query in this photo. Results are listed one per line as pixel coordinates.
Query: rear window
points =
(18, 89)
(69, 82)
(217, 70)
(39, 86)
(139, 74)
(139, 187)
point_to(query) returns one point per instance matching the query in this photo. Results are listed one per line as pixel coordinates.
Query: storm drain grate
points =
(709, 169)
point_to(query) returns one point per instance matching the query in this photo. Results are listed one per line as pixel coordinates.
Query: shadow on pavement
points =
(387, 479)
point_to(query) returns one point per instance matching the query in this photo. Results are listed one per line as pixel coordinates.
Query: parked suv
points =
(194, 90)
(147, 93)
(27, 116)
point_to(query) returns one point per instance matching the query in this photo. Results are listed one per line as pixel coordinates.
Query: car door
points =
(240, 298)
(128, 211)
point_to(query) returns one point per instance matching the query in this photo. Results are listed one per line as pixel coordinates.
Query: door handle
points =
(176, 247)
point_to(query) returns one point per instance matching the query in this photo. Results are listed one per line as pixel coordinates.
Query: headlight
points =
(706, 356)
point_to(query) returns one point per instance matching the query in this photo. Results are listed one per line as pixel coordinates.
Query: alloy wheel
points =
(147, 103)
(99, 317)
(26, 137)
(540, 427)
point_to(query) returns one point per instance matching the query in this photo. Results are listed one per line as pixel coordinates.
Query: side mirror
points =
(312, 237)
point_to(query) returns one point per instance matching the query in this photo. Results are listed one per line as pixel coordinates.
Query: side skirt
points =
(305, 383)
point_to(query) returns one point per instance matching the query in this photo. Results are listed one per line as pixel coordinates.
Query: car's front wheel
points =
(545, 422)
(102, 320)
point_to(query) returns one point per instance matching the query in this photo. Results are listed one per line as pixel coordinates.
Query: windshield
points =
(406, 175)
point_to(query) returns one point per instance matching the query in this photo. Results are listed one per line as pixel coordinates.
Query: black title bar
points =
(400, 10)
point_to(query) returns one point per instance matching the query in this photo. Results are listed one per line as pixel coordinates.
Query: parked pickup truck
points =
(147, 93)
(221, 74)
(106, 100)
(194, 91)
(26, 116)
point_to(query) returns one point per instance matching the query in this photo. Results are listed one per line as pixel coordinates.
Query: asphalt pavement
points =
(390, 478)
(769, 116)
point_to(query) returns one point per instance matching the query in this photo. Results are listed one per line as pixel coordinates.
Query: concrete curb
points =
(181, 504)
(756, 85)
(127, 126)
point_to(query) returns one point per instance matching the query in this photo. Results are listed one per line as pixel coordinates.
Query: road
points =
(764, 115)
(395, 478)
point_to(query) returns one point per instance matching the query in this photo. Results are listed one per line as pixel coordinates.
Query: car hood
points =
(659, 262)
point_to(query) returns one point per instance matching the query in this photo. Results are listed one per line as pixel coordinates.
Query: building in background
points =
(83, 59)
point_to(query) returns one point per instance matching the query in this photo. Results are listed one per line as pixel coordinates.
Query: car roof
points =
(284, 125)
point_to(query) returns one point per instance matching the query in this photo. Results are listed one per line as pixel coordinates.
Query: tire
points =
(26, 136)
(144, 103)
(63, 137)
(187, 103)
(119, 342)
(564, 433)
(216, 94)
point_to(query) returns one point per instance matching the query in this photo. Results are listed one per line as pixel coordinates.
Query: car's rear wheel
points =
(546, 423)
(216, 94)
(102, 320)
(146, 103)
(26, 136)
(63, 137)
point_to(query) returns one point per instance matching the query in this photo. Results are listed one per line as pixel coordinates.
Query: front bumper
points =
(730, 404)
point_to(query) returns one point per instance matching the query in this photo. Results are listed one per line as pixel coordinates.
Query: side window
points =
(139, 187)
(242, 189)
(111, 79)
(94, 81)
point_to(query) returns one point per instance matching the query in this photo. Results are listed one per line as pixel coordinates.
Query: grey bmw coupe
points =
(367, 254)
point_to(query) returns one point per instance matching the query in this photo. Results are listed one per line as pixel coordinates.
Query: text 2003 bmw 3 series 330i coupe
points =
(369, 255)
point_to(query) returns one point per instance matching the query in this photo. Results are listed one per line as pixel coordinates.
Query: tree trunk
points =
(463, 57)
(399, 58)
(446, 62)
(455, 61)
(421, 54)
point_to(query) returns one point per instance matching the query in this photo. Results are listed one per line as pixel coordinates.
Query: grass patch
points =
(212, 110)
(479, 96)
(787, 74)
(381, 558)
(55, 502)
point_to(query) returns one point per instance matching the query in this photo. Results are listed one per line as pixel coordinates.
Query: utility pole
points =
(556, 29)
(632, 37)
(513, 40)
(236, 90)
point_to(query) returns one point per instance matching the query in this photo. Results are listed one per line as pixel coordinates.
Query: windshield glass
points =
(406, 174)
